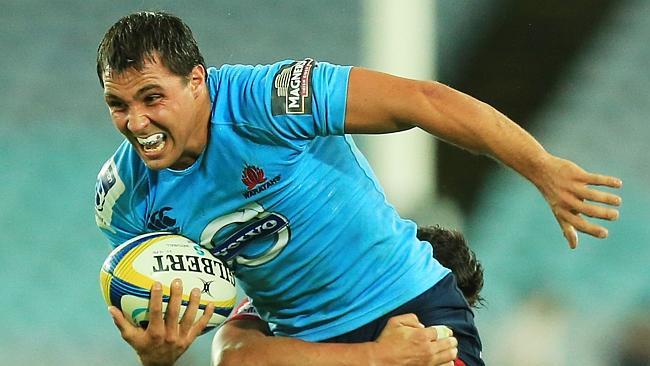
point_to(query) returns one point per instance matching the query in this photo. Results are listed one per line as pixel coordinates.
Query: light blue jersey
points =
(285, 197)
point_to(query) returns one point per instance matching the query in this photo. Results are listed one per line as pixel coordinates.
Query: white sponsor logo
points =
(256, 223)
(108, 189)
(292, 87)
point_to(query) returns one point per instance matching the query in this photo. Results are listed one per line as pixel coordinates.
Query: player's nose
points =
(137, 122)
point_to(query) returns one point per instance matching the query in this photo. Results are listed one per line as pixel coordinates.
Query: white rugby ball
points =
(130, 270)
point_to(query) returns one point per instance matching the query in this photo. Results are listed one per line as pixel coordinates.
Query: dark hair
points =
(451, 250)
(139, 37)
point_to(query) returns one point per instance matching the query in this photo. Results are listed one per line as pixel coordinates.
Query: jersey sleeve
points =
(116, 205)
(290, 100)
(245, 310)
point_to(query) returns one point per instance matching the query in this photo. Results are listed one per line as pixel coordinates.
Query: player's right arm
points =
(167, 336)
(247, 340)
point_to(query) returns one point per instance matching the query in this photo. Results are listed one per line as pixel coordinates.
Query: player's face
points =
(164, 116)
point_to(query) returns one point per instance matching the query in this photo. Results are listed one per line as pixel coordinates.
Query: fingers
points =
(409, 320)
(126, 329)
(174, 329)
(570, 233)
(445, 350)
(190, 312)
(604, 180)
(576, 205)
(580, 203)
(440, 332)
(155, 307)
(569, 191)
(203, 322)
(573, 218)
(174, 306)
(598, 212)
(593, 195)
(599, 196)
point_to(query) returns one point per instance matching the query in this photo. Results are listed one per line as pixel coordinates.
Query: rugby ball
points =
(130, 270)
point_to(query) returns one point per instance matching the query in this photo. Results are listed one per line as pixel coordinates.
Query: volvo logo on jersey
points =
(255, 180)
(269, 223)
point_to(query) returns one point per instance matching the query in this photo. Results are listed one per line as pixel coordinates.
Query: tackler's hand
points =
(405, 341)
(165, 338)
(568, 190)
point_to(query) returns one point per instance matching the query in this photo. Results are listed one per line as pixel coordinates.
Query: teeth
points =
(153, 142)
(152, 139)
(154, 148)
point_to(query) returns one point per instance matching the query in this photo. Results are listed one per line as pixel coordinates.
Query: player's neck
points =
(199, 139)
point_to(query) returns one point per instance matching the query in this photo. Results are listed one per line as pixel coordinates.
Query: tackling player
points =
(256, 164)
(243, 339)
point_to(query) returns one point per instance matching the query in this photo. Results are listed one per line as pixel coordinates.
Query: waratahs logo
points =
(255, 180)
(160, 221)
(252, 176)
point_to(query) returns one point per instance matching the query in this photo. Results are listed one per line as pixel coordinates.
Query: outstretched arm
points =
(382, 103)
(404, 341)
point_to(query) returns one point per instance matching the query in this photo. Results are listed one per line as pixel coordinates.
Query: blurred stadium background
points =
(575, 74)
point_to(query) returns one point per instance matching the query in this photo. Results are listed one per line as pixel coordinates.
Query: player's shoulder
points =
(120, 175)
(233, 75)
(124, 167)
(279, 74)
(121, 181)
(241, 72)
(236, 68)
(264, 102)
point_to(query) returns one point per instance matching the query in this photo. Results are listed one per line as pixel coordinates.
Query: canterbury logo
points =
(252, 176)
(161, 221)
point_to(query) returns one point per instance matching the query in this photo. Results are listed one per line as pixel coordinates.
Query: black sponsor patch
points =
(291, 91)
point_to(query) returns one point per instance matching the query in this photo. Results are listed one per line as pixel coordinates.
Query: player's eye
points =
(116, 106)
(152, 98)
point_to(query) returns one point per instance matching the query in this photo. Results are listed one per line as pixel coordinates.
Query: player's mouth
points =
(153, 143)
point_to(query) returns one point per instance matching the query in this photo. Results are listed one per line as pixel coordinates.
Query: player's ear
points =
(197, 78)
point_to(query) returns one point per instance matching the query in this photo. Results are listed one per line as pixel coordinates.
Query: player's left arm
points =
(382, 103)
